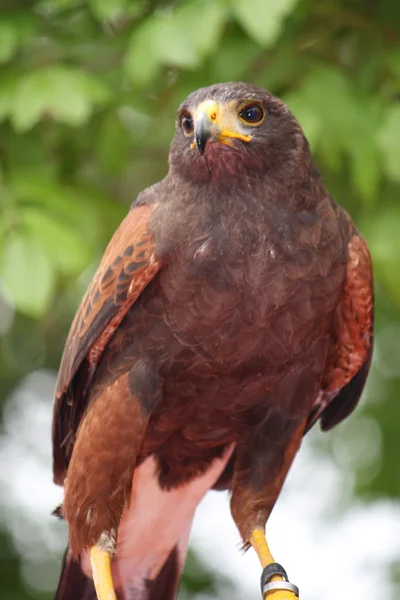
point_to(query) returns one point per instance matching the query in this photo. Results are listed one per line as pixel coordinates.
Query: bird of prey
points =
(232, 309)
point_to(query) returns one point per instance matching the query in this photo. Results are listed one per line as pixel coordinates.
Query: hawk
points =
(232, 309)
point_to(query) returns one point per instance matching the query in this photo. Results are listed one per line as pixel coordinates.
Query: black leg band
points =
(268, 586)
(270, 571)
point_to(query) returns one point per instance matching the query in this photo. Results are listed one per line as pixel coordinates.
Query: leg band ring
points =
(270, 571)
(268, 586)
(286, 586)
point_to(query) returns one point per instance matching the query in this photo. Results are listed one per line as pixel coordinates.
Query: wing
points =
(127, 267)
(351, 352)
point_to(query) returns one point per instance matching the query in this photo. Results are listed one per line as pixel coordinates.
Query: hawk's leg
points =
(261, 468)
(99, 477)
(274, 580)
(100, 562)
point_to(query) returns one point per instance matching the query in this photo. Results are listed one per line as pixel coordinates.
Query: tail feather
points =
(165, 585)
(73, 584)
(167, 581)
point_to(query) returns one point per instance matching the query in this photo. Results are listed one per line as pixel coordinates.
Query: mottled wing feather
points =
(351, 352)
(128, 265)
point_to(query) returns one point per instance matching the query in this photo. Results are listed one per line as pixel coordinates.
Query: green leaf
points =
(65, 248)
(341, 122)
(65, 94)
(366, 167)
(27, 273)
(232, 61)
(382, 234)
(393, 59)
(113, 145)
(170, 39)
(107, 9)
(83, 210)
(309, 119)
(173, 43)
(141, 61)
(209, 16)
(327, 104)
(330, 95)
(112, 9)
(262, 19)
(8, 41)
(57, 5)
(7, 95)
(389, 142)
(68, 205)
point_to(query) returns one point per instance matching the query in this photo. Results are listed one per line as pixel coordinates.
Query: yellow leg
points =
(101, 569)
(259, 543)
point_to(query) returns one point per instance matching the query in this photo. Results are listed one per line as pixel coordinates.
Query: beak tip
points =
(201, 144)
(203, 132)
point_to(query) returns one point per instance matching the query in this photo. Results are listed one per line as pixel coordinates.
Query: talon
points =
(100, 561)
(274, 580)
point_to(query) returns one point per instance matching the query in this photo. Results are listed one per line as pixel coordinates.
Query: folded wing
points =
(128, 265)
(350, 355)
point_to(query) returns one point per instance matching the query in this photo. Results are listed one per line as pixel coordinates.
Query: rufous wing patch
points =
(353, 319)
(350, 354)
(127, 267)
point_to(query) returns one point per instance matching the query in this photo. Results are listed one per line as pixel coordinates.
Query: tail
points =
(75, 585)
(167, 581)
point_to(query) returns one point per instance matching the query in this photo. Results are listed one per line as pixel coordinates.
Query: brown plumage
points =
(232, 309)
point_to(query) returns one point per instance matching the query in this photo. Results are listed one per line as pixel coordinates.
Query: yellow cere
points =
(225, 119)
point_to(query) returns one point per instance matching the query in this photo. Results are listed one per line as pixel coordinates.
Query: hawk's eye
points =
(187, 124)
(252, 114)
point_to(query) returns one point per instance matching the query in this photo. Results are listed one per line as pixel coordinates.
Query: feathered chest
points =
(239, 276)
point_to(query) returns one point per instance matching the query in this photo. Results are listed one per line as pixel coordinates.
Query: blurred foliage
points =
(88, 95)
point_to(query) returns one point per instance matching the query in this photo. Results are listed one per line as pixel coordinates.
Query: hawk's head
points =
(229, 130)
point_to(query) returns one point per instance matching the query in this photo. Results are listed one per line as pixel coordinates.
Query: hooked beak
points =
(204, 130)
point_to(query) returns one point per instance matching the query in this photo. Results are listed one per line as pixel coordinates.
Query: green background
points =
(88, 97)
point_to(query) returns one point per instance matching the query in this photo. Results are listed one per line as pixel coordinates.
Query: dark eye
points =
(253, 114)
(187, 124)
